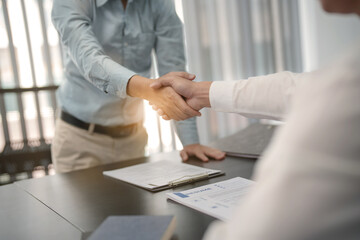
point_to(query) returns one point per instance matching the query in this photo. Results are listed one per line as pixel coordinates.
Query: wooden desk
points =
(86, 197)
(24, 217)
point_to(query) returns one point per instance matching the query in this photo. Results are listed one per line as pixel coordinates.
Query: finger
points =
(169, 80)
(171, 115)
(150, 103)
(185, 110)
(202, 156)
(161, 82)
(189, 112)
(180, 79)
(177, 105)
(214, 153)
(220, 156)
(185, 75)
(154, 107)
(160, 112)
(184, 155)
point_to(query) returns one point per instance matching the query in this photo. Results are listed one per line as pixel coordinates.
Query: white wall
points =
(325, 36)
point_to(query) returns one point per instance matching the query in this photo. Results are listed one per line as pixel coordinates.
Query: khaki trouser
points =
(74, 148)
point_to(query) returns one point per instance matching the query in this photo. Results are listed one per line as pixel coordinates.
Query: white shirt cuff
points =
(221, 99)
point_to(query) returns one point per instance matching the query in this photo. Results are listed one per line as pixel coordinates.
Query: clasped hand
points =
(196, 94)
(165, 98)
(168, 101)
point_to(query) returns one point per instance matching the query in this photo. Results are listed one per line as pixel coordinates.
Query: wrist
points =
(139, 86)
(202, 93)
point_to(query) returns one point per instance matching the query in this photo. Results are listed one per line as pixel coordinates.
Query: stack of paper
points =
(218, 200)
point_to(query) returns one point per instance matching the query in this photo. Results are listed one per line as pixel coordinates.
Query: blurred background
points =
(225, 40)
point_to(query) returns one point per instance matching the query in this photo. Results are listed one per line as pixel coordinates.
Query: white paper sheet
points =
(158, 174)
(218, 199)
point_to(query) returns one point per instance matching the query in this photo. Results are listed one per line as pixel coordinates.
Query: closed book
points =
(134, 227)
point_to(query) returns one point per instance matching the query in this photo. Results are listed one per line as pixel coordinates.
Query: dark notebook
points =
(135, 227)
(248, 143)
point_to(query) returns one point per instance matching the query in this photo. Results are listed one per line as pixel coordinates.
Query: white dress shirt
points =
(308, 180)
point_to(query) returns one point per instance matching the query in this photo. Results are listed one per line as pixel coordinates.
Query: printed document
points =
(161, 175)
(218, 199)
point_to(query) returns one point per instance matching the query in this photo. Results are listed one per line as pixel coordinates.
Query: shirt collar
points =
(99, 3)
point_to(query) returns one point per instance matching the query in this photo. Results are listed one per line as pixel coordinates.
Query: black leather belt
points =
(112, 131)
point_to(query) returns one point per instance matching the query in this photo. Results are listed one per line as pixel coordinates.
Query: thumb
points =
(156, 85)
(184, 155)
(160, 82)
(186, 75)
(191, 77)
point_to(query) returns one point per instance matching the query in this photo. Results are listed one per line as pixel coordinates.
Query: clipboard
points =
(161, 175)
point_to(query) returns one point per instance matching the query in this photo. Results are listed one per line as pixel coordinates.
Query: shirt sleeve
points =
(187, 131)
(266, 97)
(307, 182)
(169, 44)
(169, 49)
(72, 19)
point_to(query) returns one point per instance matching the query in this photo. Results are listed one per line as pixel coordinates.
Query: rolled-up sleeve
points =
(72, 19)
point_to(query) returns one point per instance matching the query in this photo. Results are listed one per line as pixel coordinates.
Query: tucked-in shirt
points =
(104, 45)
(308, 179)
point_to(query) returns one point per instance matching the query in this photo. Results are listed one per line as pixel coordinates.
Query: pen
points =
(189, 179)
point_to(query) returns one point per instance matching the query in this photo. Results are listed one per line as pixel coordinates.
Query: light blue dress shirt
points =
(105, 45)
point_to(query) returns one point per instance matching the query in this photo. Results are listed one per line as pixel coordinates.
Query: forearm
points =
(266, 97)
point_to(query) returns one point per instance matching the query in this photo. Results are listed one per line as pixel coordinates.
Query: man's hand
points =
(183, 86)
(195, 93)
(202, 152)
(165, 98)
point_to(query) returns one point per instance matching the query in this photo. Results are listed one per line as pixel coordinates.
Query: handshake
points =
(185, 97)
(176, 96)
